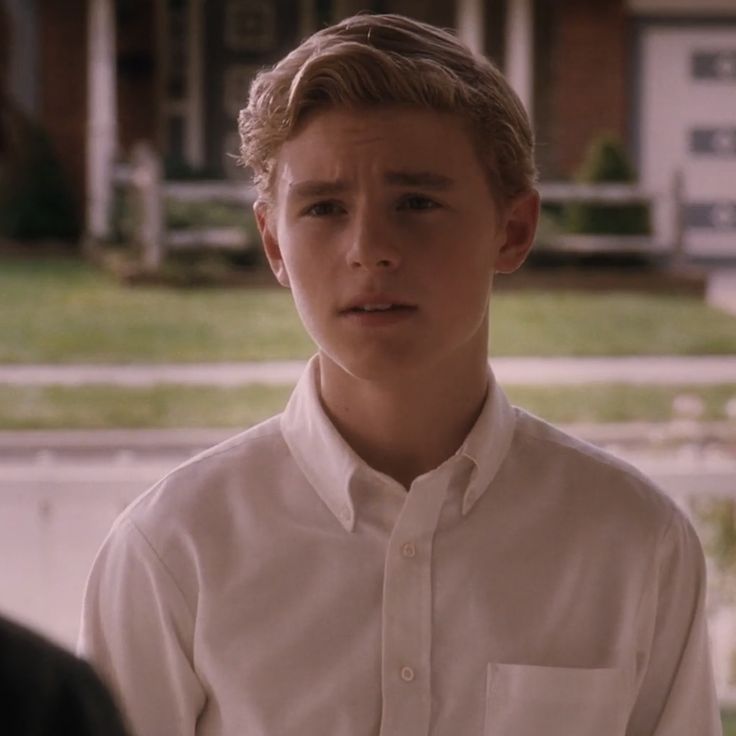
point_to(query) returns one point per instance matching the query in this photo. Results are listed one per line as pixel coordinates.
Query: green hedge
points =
(35, 200)
(606, 162)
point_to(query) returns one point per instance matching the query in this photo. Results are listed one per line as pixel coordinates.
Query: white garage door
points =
(688, 121)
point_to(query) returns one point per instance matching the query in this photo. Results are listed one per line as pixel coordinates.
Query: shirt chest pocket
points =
(524, 700)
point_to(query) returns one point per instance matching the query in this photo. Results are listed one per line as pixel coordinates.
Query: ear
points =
(266, 228)
(519, 228)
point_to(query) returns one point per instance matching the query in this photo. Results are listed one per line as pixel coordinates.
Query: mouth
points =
(378, 308)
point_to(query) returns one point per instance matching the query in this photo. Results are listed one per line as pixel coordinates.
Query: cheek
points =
(309, 312)
(305, 271)
(471, 265)
(307, 281)
(466, 289)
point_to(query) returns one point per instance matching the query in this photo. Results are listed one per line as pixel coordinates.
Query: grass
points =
(176, 406)
(728, 718)
(66, 311)
(577, 323)
(618, 402)
(164, 406)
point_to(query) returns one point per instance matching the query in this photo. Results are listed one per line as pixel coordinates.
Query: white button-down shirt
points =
(276, 585)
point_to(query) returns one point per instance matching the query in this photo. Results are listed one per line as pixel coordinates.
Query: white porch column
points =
(470, 24)
(101, 115)
(519, 61)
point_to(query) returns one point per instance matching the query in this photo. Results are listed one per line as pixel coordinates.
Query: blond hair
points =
(380, 60)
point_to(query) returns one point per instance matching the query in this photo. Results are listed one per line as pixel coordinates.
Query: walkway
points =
(509, 371)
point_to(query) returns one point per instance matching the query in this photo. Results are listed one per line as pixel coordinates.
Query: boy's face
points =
(384, 227)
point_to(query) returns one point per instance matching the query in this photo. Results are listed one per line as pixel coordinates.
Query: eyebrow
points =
(317, 188)
(422, 179)
(326, 188)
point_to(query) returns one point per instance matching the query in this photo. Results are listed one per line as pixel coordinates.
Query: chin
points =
(378, 366)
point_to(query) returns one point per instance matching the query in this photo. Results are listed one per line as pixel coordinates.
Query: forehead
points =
(343, 143)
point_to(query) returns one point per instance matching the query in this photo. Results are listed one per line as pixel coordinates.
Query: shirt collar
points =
(319, 450)
(330, 464)
(488, 442)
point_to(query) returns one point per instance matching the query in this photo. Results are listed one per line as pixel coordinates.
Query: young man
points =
(401, 552)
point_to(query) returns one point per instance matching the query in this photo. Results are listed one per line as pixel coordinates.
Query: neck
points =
(408, 425)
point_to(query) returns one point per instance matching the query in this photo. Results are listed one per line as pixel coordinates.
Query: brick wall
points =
(63, 84)
(4, 47)
(582, 64)
(63, 71)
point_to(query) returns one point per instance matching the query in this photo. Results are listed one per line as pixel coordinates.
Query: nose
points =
(372, 245)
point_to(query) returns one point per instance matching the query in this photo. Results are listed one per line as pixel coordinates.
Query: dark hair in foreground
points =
(47, 691)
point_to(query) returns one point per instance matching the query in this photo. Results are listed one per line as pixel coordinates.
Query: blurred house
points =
(660, 74)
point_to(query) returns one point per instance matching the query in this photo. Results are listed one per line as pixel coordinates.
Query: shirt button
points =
(408, 549)
(407, 674)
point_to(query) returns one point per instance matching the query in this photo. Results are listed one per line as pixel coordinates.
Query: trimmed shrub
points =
(606, 162)
(35, 200)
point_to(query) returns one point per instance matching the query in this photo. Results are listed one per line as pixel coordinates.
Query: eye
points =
(417, 202)
(324, 209)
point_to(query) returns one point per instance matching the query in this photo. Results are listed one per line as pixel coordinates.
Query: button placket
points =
(407, 616)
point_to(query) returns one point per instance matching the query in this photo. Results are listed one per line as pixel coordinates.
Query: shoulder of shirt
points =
(201, 506)
(194, 481)
(608, 478)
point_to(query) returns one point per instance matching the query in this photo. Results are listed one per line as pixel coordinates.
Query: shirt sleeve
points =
(137, 631)
(677, 695)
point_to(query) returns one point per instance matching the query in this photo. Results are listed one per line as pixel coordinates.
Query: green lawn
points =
(617, 402)
(176, 406)
(166, 406)
(729, 723)
(64, 311)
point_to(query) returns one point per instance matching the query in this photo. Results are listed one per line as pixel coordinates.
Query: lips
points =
(376, 304)
(372, 308)
(378, 308)
(377, 311)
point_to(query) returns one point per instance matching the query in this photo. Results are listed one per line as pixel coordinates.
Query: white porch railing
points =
(144, 179)
(562, 193)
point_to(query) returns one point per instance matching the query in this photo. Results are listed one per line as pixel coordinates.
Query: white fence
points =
(144, 179)
(620, 194)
